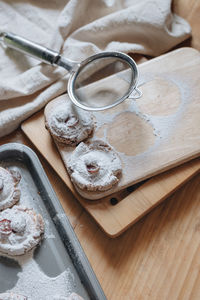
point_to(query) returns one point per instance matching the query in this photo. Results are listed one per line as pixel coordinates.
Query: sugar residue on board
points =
(162, 125)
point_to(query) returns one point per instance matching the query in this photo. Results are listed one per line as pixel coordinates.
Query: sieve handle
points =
(35, 50)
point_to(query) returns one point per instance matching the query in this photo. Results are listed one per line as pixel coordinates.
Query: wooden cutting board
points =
(159, 130)
(170, 109)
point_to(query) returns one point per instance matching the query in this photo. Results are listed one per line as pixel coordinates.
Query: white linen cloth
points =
(77, 28)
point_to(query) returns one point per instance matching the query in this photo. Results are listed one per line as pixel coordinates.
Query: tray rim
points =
(77, 255)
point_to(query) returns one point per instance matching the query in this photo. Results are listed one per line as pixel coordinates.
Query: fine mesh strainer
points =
(99, 82)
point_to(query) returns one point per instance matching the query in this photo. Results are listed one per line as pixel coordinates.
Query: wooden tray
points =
(112, 214)
(116, 213)
(159, 130)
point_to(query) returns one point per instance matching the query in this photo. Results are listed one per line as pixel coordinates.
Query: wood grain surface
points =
(117, 212)
(161, 98)
(155, 132)
(159, 257)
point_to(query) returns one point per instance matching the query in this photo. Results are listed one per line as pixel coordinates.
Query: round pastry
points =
(20, 230)
(67, 123)
(94, 166)
(11, 296)
(9, 193)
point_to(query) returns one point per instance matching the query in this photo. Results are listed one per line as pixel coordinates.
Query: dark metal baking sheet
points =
(56, 254)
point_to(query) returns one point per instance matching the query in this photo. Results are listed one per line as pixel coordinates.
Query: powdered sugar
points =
(94, 166)
(25, 232)
(67, 123)
(46, 271)
(9, 194)
(38, 285)
(73, 296)
(11, 296)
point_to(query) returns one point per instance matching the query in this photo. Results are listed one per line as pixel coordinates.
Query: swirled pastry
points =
(9, 193)
(20, 230)
(11, 296)
(67, 123)
(94, 166)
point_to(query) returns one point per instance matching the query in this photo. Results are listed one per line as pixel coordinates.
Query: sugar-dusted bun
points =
(21, 229)
(9, 193)
(94, 166)
(67, 123)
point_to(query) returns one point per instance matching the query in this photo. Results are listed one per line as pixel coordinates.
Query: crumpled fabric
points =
(78, 29)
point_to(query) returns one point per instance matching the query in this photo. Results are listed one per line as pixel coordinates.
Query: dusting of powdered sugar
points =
(39, 286)
(29, 199)
(9, 193)
(12, 296)
(94, 166)
(36, 278)
(22, 230)
(67, 123)
(162, 126)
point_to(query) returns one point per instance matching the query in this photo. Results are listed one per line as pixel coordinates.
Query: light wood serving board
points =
(159, 130)
(170, 86)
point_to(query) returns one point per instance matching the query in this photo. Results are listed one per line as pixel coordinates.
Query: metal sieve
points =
(99, 82)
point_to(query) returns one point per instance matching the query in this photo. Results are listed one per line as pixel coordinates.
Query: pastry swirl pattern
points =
(67, 123)
(94, 166)
(20, 230)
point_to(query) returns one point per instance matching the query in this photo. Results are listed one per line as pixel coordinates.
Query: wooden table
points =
(159, 257)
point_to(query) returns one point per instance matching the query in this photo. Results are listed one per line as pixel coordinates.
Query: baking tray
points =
(60, 253)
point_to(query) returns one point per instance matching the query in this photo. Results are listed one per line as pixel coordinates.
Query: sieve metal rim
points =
(75, 73)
